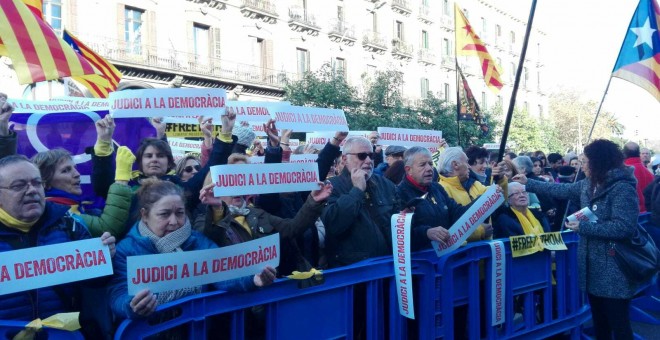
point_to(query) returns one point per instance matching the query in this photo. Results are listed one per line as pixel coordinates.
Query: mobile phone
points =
(547, 169)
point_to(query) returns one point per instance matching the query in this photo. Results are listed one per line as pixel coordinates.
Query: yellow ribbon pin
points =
(296, 275)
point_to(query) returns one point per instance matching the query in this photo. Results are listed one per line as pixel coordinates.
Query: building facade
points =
(252, 47)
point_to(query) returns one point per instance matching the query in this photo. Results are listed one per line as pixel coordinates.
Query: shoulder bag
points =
(638, 257)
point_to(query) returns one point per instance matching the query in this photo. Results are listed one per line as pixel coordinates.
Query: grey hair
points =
(523, 164)
(13, 159)
(513, 185)
(410, 154)
(355, 140)
(454, 153)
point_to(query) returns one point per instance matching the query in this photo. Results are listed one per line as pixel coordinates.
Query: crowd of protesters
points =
(168, 206)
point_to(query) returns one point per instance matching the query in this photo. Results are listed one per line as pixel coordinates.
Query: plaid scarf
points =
(170, 242)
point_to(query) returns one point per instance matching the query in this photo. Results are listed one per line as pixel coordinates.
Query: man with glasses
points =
(357, 214)
(27, 220)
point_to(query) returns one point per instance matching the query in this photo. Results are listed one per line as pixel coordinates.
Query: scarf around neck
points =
(14, 223)
(170, 242)
(529, 223)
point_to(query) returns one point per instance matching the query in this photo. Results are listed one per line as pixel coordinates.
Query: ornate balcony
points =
(447, 23)
(167, 62)
(424, 15)
(448, 62)
(301, 21)
(401, 50)
(426, 56)
(217, 4)
(260, 9)
(374, 42)
(402, 7)
(340, 32)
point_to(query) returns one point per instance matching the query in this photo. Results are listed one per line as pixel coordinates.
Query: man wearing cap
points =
(393, 153)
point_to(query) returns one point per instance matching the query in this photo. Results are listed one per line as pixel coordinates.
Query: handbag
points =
(638, 257)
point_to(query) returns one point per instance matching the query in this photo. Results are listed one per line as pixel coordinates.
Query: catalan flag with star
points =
(469, 43)
(37, 53)
(639, 58)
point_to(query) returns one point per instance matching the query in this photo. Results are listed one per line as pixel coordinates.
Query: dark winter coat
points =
(507, 224)
(616, 206)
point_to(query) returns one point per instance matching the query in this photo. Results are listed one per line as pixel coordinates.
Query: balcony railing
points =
(170, 60)
(448, 62)
(426, 56)
(374, 42)
(447, 23)
(401, 50)
(401, 6)
(342, 32)
(260, 9)
(217, 4)
(301, 21)
(425, 14)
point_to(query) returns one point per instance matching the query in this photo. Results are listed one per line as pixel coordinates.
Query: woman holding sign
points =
(609, 191)
(164, 228)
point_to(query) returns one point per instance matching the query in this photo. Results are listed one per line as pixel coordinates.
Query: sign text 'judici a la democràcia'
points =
(409, 137)
(246, 179)
(205, 102)
(168, 271)
(483, 207)
(245, 111)
(310, 119)
(400, 225)
(44, 266)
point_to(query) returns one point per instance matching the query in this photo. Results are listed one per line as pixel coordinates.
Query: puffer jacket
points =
(135, 244)
(616, 206)
(357, 222)
(56, 225)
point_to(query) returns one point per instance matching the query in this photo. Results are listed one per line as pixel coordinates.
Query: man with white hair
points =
(357, 215)
(456, 180)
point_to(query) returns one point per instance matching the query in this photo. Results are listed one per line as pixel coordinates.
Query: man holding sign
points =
(26, 221)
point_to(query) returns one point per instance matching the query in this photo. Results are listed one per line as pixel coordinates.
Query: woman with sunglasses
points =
(187, 167)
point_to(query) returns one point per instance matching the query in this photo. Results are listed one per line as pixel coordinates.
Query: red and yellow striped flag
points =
(36, 6)
(36, 52)
(109, 71)
(469, 43)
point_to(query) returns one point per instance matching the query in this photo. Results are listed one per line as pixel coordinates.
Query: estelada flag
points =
(469, 43)
(639, 58)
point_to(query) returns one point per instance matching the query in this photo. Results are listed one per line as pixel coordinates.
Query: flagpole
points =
(458, 105)
(602, 100)
(512, 103)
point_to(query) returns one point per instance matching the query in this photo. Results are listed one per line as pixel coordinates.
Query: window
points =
(374, 22)
(540, 111)
(484, 28)
(484, 102)
(133, 29)
(52, 10)
(258, 52)
(512, 74)
(445, 47)
(371, 71)
(399, 30)
(340, 66)
(525, 77)
(340, 13)
(538, 80)
(526, 107)
(201, 40)
(303, 60)
(425, 40)
(446, 92)
(467, 14)
(445, 7)
(500, 102)
(424, 88)
(498, 32)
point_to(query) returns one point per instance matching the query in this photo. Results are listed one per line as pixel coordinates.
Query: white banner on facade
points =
(56, 264)
(186, 102)
(170, 271)
(246, 179)
(309, 119)
(498, 282)
(400, 224)
(483, 207)
(409, 137)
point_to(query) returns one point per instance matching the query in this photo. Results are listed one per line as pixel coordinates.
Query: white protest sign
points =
(207, 102)
(245, 179)
(320, 139)
(44, 266)
(170, 271)
(491, 146)
(246, 111)
(257, 159)
(258, 128)
(409, 137)
(400, 224)
(304, 158)
(583, 215)
(180, 147)
(483, 207)
(55, 106)
(497, 282)
(308, 119)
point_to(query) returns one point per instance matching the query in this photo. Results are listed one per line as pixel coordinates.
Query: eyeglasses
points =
(518, 193)
(190, 168)
(362, 155)
(22, 186)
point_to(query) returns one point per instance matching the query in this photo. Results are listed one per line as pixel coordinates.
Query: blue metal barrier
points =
(442, 286)
(8, 329)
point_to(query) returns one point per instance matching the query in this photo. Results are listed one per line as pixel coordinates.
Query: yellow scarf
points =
(241, 220)
(529, 223)
(11, 222)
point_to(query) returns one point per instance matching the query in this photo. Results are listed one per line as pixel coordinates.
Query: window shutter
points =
(216, 47)
(71, 22)
(151, 38)
(121, 29)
